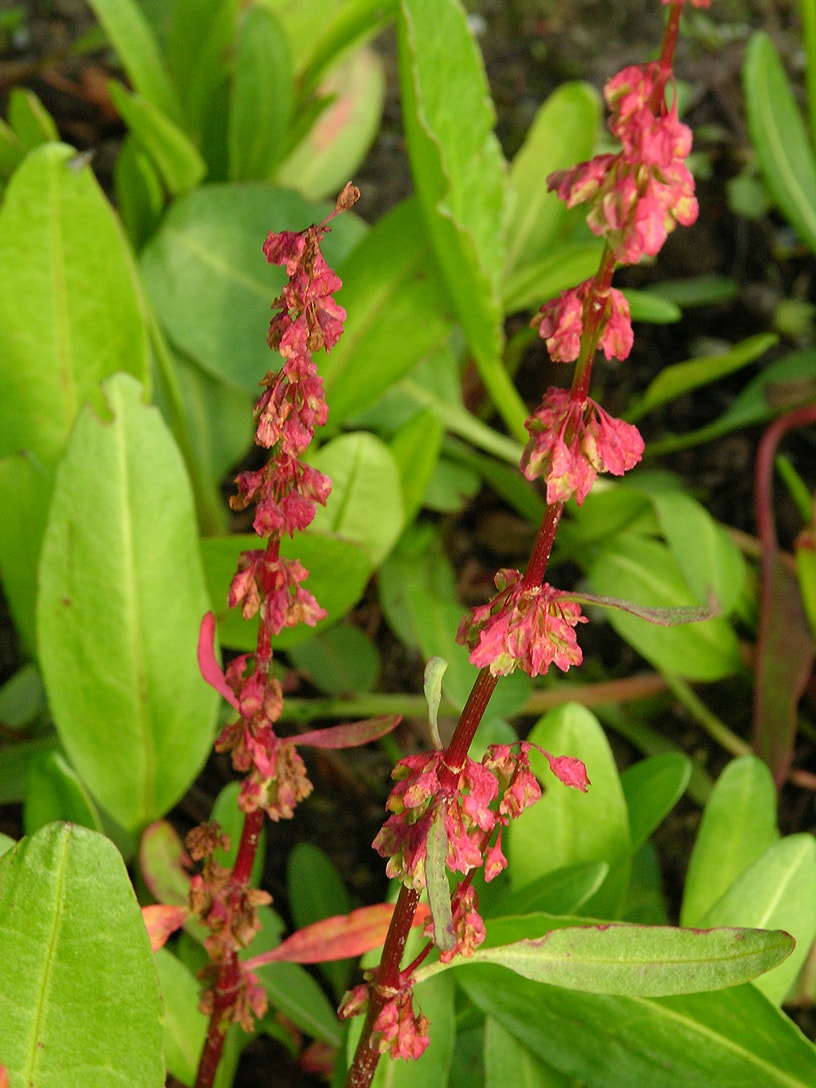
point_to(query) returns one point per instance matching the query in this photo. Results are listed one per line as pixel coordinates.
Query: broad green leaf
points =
(339, 660)
(507, 1062)
(650, 306)
(321, 34)
(365, 504)
(728, 1039)
(397, 313)
(12, 152)
(710, 560)
(563, 891)
(54, 791)
(338, 572)
(79, 993)
(131, 36)
(738, 826)
(567, 827)
(292, 990)
(200, 42)
(71, 313)
(121, 597)
(645, 572)
(778, 891)
(15, 759)
(185, 1026)
(779, 136)
(563, 132)
(680, 378)
(337, 142)
(30, 120)
(652, 787)
(458, 172)
(262, 96)
(416, 447)
(210, 283)
(649, 961)
(175, 157)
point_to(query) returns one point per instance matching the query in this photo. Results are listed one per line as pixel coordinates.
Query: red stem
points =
(228, 972)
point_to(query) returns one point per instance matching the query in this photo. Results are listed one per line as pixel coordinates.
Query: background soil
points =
(530, 47)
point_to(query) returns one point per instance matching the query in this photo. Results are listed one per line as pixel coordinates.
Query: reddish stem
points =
(228, 980)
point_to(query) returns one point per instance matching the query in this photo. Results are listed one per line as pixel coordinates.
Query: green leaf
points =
(293, 991)
(397, 313)
(339, 660)
(30, 120)
(336, 144)
(567, 827)
(130, 35)
(780, 137)
(71, 314)
(81, 1003)
(435, 670)
(508, 1062)
(650, 961)
(365, 504)
(200, 45)
(681, 378)
(738, 826)
(139, 193)
(121, 598)
(185, 1026)
(563, 132)
(706, 553)
(728, 1039)
(533, 284)
(210, 283)
(652, 787)
(54, 791)
(416, 447)
(12, 152)
(645, 572)
(777, 891)
(458, 171)
(25, 494)
(175, 157)
(262, 96)
(436, 874)
(338, 572)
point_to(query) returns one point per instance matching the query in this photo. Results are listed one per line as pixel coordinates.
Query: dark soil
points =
(531, 46)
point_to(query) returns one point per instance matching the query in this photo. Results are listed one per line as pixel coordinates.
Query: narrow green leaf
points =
(644, 571)
(79, 994)
(680, 378)
(25, 494)
(650, 961)
(435, 669)
(293, 991)
(459, 176)
(130, 35)
(436, 874)
(533, 284)
(175, 157)
(780, 137)
(738, 825)
(567, 827)
(652, 787)
(200, 45)
(121, 598)
(12, 151)
(397, 313)
(54, 791)
(71, 314)
(416, 447)
(339, 660)
(139, 193)
(185, 1026)
(32, 123)
(317, 891)
(728, 1039)
(262, 96)
(562, 133)
(777, 891)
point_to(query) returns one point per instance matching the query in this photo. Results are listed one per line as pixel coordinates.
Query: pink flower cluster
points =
(571, 441)
(398, 1030)
(639, 194)
(528, 627)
